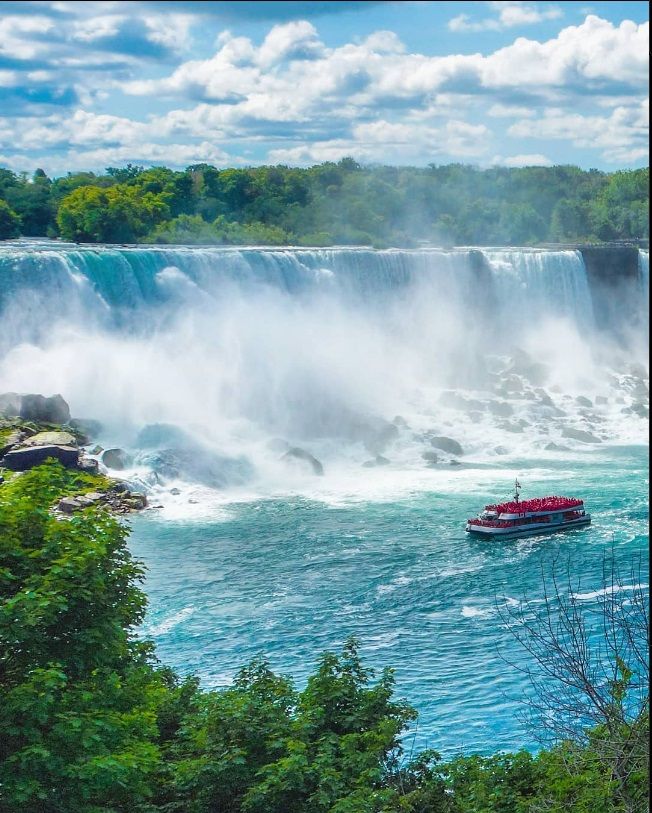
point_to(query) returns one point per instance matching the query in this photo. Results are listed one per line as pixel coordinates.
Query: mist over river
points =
(315, 426)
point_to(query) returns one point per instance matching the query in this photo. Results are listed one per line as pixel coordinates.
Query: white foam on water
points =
(167, 624)
(609, 590)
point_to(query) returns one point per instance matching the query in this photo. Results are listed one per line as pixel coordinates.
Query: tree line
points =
(92, 722)
(340, 203)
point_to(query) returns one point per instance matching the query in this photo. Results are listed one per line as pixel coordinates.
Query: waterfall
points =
(318, 346)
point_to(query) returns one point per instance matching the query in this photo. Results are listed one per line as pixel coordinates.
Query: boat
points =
(528, 517)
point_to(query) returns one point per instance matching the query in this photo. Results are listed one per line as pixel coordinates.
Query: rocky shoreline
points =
(35, 428)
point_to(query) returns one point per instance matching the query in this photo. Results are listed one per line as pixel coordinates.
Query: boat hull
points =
(481, 532)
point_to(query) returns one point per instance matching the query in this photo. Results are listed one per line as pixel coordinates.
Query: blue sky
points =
(96, 84)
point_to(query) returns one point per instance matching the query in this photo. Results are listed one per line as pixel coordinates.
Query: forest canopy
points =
(341, 203)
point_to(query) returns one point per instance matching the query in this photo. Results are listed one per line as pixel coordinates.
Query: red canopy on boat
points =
(538, 504)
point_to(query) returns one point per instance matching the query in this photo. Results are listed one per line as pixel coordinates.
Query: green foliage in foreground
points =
(91, 722)
(340, 203)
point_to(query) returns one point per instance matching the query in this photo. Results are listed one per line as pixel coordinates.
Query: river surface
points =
(290, 577)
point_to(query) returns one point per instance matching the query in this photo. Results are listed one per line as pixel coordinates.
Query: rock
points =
(69, 504)
(554, 447)
(296, 453)
(431, 458)
(446, 444)
(10, 440)
(118, 487)
(581, 400)
(640, 409)
(88, 465)
(136, 501)
(601, 399)
(500, 408)
(454, 463)
(175, 491)
(500, 450)
(92, 497)
(51, 439)
(10, 404)
(511, 427)
(379, 460)
(198, 465)
(640, 389)
(400, 421)
(96, 450)
(116, 459)
(22, 458)
(579, 434)
(544, 398)
(48, 410)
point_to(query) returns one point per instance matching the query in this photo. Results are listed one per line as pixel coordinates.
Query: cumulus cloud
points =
(290, 97)
(508, 15)
(621, 136)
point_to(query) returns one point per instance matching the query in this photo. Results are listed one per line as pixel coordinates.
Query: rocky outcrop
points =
(35, 407)
(56, 438)
(446, 444)
(116, 499)
(116, 459)
(579, 434)
(297, 453)
(22, 458)
(379, 460)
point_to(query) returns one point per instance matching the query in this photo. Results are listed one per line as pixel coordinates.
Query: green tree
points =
(9, 221)
(117, 214)
(79, 694)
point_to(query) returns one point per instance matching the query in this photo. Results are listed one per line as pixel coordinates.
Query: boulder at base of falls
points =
(198, 465)
(554, 447)
(22, 458)
(583, 401)
(431, 458)
(602, 400)
(48, 410)
(379, 460)
(446, 444)
(297, 453)
(579, 434)
(116, 459)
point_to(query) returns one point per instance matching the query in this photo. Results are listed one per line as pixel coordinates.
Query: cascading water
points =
(243, 347)
(211, 365)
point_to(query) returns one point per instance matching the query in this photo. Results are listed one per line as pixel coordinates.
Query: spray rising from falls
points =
(241, 366)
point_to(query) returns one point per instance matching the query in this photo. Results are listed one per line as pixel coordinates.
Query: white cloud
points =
(510, 111)
(303, 101)
(621, 136)
(526, 160)
(509, 16)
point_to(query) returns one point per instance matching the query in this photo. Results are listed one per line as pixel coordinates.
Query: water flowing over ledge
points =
(359, 356)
